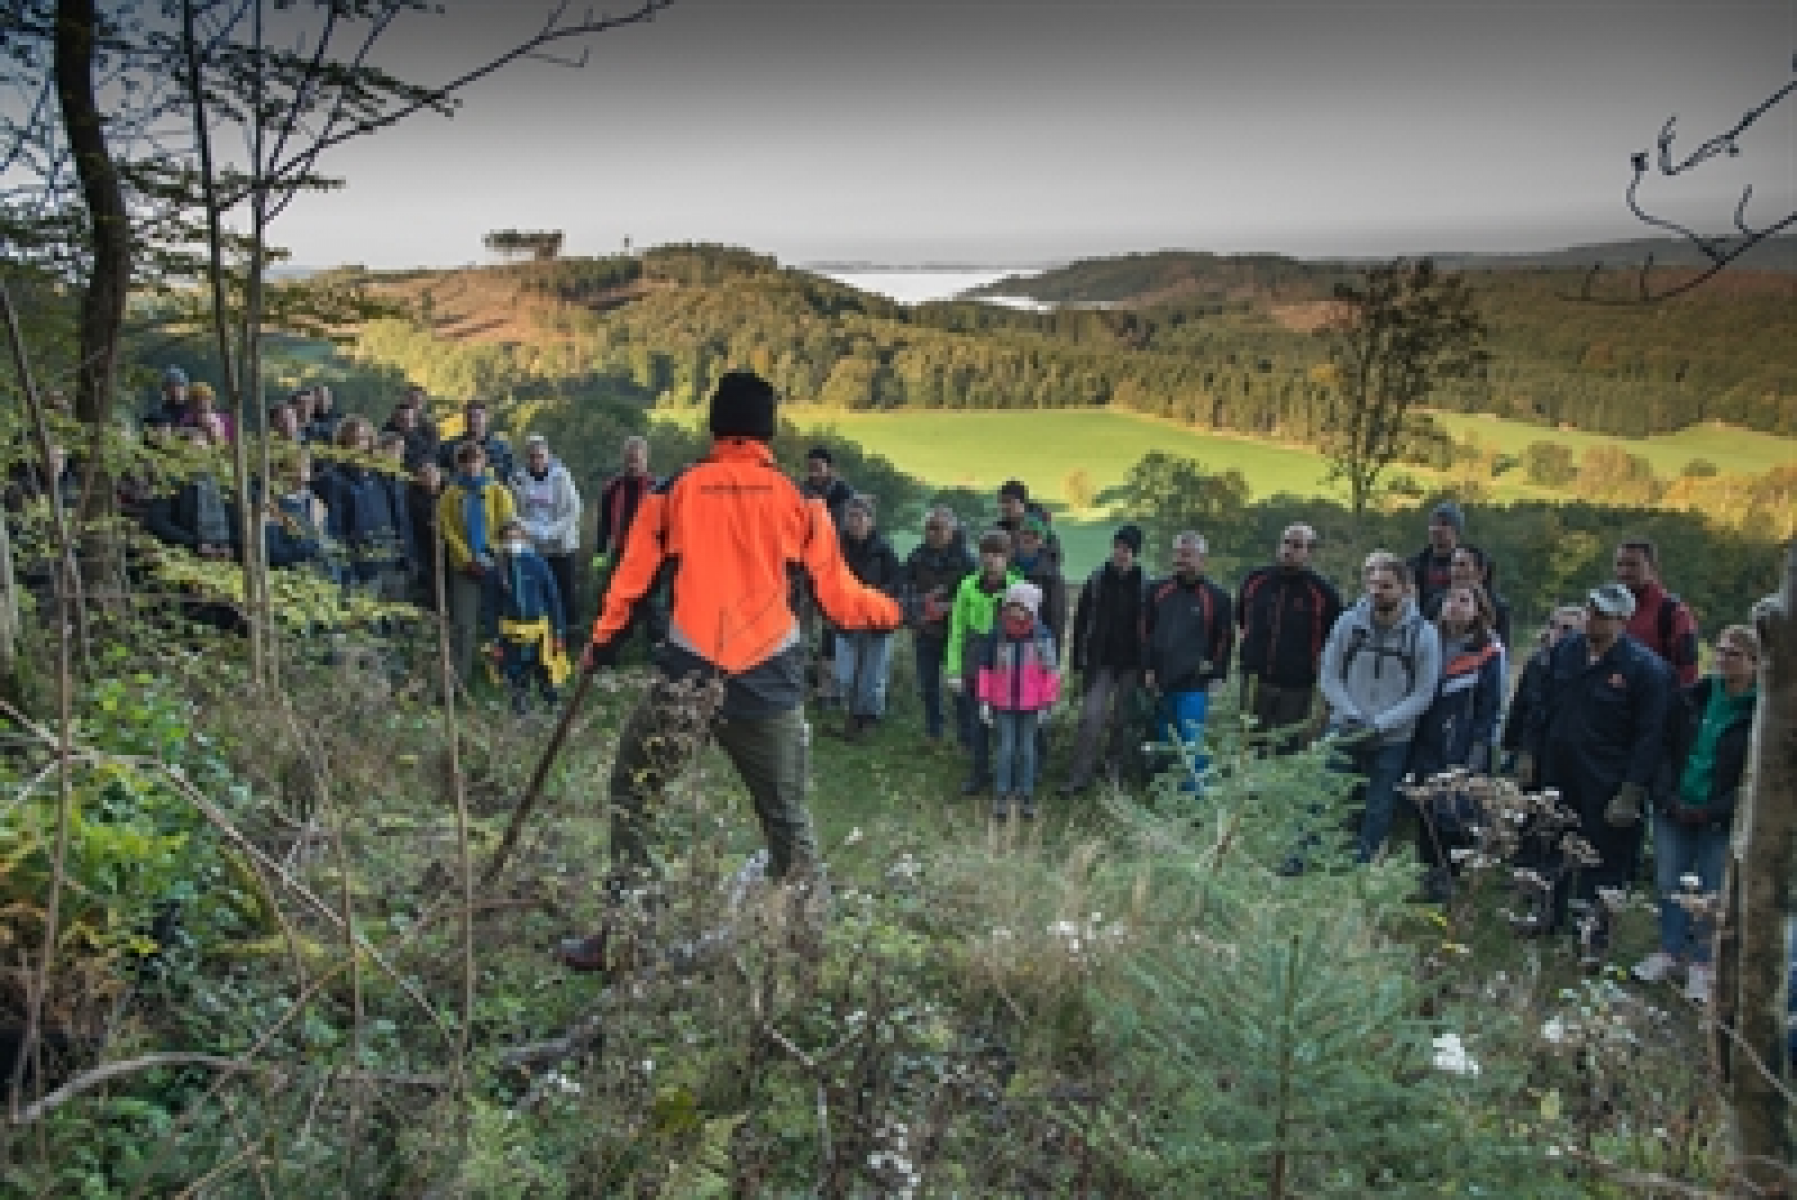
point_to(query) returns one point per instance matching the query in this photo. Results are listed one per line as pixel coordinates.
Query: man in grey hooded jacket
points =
(1379, 672)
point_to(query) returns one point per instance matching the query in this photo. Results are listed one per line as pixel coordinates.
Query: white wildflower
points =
(1554, 1030)
(855, 836)
(1451, 1056)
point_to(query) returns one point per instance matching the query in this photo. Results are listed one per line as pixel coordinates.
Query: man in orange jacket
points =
(731, 528)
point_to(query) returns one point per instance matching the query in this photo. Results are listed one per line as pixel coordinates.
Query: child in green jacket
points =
(970, 623)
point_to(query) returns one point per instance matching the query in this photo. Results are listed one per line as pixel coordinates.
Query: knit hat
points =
(174, 375)
(743, 406)
(1024, 595)
(819, 454)
(1448, 513)
(995, 541)
(1032, 524)
(860, 500)
(1013, 489)
(1131, 536)
(1612, 600)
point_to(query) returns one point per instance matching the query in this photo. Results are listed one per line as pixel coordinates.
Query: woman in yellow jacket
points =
(470, 513)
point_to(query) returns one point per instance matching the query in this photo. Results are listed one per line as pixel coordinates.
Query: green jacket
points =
(971, 619)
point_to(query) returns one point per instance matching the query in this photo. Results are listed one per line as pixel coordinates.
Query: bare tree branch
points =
(1720, 251)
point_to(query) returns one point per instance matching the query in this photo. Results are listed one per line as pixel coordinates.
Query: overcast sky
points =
(1027, 131)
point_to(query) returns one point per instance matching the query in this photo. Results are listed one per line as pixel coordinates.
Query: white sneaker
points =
(1697, 983)
(1655, 968)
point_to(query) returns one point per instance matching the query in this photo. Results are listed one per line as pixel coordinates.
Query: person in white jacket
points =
(549, 506)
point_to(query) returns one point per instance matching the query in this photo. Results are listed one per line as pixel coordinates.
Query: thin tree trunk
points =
(12, 684)
(1752, 966)
(102, 310)
(249, 523)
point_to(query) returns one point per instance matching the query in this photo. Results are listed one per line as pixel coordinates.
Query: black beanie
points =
(743, 406)
(1131, 536)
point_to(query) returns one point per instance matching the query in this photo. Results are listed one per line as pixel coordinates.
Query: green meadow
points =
(980, 450)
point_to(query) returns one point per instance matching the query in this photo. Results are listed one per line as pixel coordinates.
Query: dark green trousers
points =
(659, 742)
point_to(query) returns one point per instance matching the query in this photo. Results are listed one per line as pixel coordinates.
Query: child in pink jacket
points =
(1018, 681)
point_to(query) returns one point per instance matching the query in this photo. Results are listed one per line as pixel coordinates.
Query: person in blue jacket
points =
(526, 623)
(1598, 736)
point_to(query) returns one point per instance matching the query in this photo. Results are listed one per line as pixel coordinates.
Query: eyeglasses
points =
(1731, 652)
(1299, 543)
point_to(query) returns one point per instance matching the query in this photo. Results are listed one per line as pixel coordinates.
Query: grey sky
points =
(1006, 131)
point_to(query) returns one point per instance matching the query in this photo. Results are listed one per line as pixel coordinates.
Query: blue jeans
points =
(1382, 763)
(928, 652)
(1015, 733)
(861, 661)
(1686, 850)
(1185, 712)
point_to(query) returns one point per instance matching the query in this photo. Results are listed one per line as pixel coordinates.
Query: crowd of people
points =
(791, 591)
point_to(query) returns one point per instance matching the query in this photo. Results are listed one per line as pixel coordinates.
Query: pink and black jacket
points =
(1018, 674)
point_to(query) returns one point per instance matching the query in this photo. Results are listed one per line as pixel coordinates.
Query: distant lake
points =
(915, 286)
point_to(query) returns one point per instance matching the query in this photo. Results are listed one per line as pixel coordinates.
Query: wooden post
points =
(1749, 1035)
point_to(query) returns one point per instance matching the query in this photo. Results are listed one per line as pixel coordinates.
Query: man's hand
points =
(1625, 806)
(986, 713)
(596, 656)
(1148, 681)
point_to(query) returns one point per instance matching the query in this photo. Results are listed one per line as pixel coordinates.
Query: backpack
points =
(1404, 651)
(1667, 619)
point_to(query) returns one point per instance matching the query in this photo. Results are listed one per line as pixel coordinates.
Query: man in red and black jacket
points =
(619, 499)
(1285, 612)
(1662, 622)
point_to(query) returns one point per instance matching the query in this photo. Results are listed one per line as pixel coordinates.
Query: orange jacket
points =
(732, 526)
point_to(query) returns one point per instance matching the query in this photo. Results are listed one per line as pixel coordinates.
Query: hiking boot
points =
(1437, 887)
(1655, 968)
(1027, 807)
(1001, 808)
(586, 955)
(1700, 979)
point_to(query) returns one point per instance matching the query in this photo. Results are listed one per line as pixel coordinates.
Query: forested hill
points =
(1148, 278)
(1239, 354)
